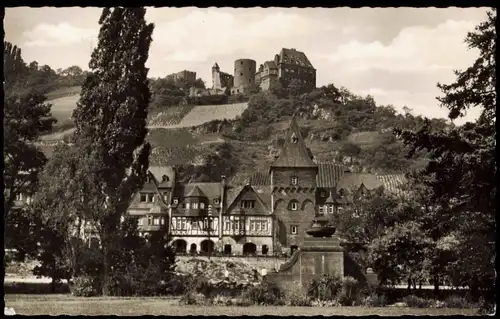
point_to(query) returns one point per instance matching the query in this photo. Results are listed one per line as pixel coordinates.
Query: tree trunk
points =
(436, 285)
(53, 286)
(105, 272)
(409, 285)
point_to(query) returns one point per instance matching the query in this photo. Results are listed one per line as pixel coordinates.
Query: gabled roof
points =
(216, 66)
(294, 154)
(292, 56)
(195, 192)
(209, 190)
(270, 65)
(159, 171)
(263, 194)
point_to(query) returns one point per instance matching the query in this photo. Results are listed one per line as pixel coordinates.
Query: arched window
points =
(294, 205)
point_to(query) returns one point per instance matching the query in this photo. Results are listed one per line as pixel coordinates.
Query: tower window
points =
(295, 180)
(241, 73)
(293, 229)
(294, 206)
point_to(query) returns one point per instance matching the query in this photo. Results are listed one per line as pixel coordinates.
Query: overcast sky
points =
(397, 55)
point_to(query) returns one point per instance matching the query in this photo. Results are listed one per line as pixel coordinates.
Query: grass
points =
(69, 305)
(63, 107)
(62, 92)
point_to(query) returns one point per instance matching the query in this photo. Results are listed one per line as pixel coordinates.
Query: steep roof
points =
(159, 171)
(263, 192)
(292, 56)
(270, 65)
(294, 152)
(210, 190)
(329, 174)
(330, 199)
(216, 66)
(195, 192)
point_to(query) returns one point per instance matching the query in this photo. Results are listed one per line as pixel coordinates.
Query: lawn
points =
(69, 305)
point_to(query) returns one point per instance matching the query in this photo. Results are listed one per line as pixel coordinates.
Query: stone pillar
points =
(320, 256)
(371, 277)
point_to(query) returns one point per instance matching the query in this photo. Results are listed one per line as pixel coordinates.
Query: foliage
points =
(350, 293)
(208, 100)
(374, 300)
(325, 288)
(85, 286)
(461, 172)
(417, 302)
(110, 123)
(297, 298)
(458, 302)
(400, 253)
(266, 293)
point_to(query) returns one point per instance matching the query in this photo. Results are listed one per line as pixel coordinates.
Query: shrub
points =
(350, 293)
(192, 298)
(297, 299)
(325, 288)
(200, 285)
(457, 302)
(85, 286)
(417, 302)
(221, 300)
(242, 302)
(264, 294)
(177, 285)
(374, 300)
(324, 303)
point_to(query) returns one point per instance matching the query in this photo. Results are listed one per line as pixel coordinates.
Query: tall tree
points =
(26, 116)
(110, 123)
(463, 165)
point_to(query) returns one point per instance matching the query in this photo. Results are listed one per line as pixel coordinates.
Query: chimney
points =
(276, 59)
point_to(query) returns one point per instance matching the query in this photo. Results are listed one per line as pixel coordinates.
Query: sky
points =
(396, 55)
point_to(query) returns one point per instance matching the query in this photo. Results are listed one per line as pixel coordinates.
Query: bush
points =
(417, 302)
(350, 293)
(192, 298)
(221, 300)
(325, 288)
(457, 302)
(177, 285)
(85, 286)
(264, 294)
(297, 299)
(200, 285)
(374, 300)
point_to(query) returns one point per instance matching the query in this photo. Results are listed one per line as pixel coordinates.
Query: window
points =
(195, 205)
(247, 204)
(258, 226)
(293, 230)
(330, 209)
(323, 194)
(176, 201)
(264, 226)
(179, 223)
(202, 206)
(165, 197)
(321, 210)
(227, 225)
(187, 205)
(164, 178)
(144, 198)
(162, 220)
(252, 225)
(295, 180)
(241, 73)
(241, 62)
(150, 220)
(294, 206)
(139, 221)
(183, 224)
(156, 221)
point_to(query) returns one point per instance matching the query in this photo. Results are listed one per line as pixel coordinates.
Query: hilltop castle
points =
(287, 66)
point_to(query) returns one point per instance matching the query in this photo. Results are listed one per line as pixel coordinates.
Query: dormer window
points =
(148, 179)
(195, 205)
(187, 205)
(295, 139)
(330, 209)
(321, 210)
(295, 180)
(164, 178)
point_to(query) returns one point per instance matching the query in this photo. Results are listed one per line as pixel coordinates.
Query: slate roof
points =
(195, 192)
(291, 56)
(294, 154)
(260, 179)
(350, 180)
(264, 193)
(270, 65)
(210, 190)
(329, 174)
(159, 171)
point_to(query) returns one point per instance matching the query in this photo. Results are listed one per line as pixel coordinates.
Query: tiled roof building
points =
(262, 209)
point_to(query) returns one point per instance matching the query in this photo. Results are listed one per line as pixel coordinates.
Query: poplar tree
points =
(110, 121)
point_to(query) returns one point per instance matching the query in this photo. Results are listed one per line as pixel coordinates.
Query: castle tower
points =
(216, 82)
(293, 183)
(244, 74)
